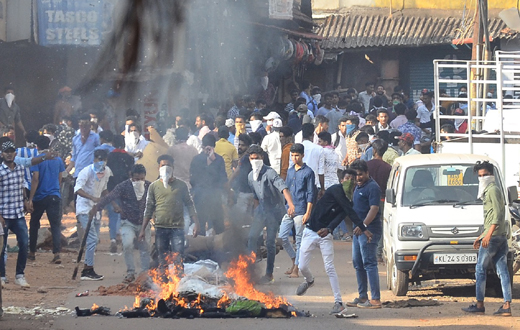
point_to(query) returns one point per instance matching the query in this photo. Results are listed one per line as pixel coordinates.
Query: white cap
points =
(272, 115)
(230, 122)
(277, 123)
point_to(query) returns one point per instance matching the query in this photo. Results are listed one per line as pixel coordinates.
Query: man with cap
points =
(14, 199)
(230, 124)
(406, 142)
(271, 142)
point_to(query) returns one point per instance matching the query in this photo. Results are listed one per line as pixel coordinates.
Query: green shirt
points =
(168, 203)
(494, 211)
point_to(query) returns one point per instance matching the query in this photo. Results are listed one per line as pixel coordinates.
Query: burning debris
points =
(192, 296)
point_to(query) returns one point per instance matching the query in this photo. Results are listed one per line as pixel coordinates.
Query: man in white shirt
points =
(425, 111)
(340, 144)
(382, 120)
(271, 143)
(406, 142)
(135, 142)
(91, 184)
(330, 160)
(365, 96)
(313, 156)
(321, 124)
(401, 119)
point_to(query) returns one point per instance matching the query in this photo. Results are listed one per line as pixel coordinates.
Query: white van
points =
(432, 217)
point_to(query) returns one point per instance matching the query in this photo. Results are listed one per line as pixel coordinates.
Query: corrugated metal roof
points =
(368, 29)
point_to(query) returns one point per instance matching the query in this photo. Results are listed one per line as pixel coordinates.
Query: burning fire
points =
(239, 273)
(166, 288)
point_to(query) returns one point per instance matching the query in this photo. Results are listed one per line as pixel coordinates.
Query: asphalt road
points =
(318, 301)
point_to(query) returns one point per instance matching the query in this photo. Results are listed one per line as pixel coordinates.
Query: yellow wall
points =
(410, 4)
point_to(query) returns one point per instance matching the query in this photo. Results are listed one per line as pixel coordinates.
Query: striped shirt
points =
(11, 191)
(27, 153)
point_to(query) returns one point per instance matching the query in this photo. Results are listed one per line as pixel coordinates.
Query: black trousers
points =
(52, 206)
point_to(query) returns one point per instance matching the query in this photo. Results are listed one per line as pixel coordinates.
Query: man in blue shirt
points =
(83, 145)
(300, 181)
(45, 197)
(269, 191)
(366, 205)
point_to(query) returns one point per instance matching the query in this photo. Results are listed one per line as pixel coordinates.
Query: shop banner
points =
(70, 22)
(281, 9)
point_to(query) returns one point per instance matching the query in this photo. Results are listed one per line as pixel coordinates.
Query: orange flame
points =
(94, 306)
(239, 272)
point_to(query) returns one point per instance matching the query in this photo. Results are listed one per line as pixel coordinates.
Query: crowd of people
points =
(315, 169)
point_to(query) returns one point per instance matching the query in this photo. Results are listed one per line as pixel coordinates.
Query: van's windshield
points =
(441, 184)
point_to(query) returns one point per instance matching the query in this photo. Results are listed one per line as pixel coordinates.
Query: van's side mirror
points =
(390, 196)
(512, 194)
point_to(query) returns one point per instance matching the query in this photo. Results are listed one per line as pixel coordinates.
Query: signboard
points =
(70, 22)
(281, 9)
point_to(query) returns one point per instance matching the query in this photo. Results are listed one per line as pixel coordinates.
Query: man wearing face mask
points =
(135, 141)
(492, 243)
(269, 192)
(327, 213)
(256, 124)
(352, 131)
(49, 130)
(271, 142)
(91, 185)
(240, 128)
(167, 198)
(10, 111)
(208, 180)
(132, 195)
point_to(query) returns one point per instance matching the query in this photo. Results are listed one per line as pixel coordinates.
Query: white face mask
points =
(9, 98)
(93, 120)
(166, 173)
(483, 182)
(138, 189)
(256, 164)
(317, 98)
(51, 137)
(264, 81)
(363, 146)
(255, 124)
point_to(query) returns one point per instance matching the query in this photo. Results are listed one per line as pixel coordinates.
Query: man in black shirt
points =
(327, 213)
(120, 162)
(208, 180)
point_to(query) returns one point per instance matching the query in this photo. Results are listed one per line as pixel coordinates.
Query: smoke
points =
(165, 55)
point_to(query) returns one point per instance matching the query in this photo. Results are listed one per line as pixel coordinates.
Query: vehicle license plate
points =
(454, 258)
(455, 180)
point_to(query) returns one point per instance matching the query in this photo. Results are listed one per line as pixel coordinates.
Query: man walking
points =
(328, 212)
(366, 205)
(269, 191)
(132, 195)
(91, 184)
(167, 197)
(300, 181)
(13, 199)
(492, 243)
(45, 197)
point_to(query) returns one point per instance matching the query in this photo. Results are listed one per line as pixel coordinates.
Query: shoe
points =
(264, 280)
(129, 278)
(302, 288)
(347, 238)
(21, 282)
(368, 305)
(31, 256)
(338, 307)
(503, 312)
(113, 246)
(88, 274)
(474, 310)
(56, 260)
(355, 302)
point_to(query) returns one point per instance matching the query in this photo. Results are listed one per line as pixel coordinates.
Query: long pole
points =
(475, 56)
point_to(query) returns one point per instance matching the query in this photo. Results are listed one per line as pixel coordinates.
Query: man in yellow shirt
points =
(227, 150)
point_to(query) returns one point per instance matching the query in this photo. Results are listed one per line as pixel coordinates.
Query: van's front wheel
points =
(399, 280)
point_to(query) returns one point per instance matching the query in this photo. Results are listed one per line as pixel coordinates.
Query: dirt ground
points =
(52, 288)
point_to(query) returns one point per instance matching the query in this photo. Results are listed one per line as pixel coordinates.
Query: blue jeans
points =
(114, 221)
(19, 228)
(365, 262)
(496, 252)
(269, 217)
(170, 246)
(129, 232)
(285, 233)
(93, 236)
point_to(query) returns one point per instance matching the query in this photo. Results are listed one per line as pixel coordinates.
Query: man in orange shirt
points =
(286, 140)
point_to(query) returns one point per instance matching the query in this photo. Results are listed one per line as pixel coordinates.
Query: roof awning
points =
(376, 28)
